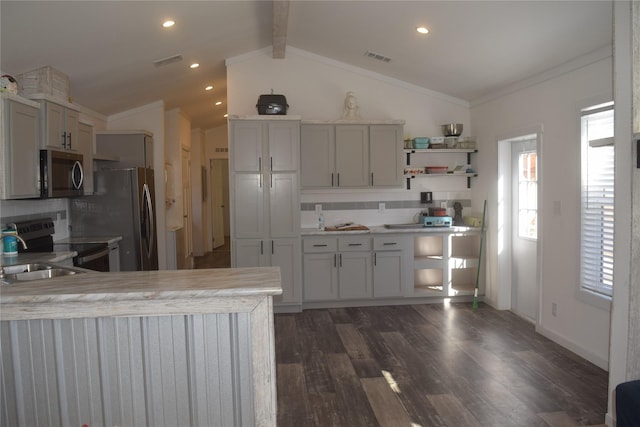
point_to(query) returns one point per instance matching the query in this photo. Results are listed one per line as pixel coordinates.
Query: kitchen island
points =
(188, 347)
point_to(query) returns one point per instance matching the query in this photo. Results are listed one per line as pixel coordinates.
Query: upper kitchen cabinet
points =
(59, 127)
(130, 149)
(386, 155)
(85, 146)
(19, 148)
(341, 155)
(254, 154)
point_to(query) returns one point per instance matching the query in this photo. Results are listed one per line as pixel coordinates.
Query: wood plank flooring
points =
(219, 258)
(429, 365)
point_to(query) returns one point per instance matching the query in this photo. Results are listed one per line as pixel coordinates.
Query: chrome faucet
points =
(24, 244)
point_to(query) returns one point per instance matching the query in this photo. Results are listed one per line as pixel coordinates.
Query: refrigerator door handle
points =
(149, 220)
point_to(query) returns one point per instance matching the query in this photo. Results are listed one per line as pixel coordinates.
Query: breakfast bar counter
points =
(161, 348)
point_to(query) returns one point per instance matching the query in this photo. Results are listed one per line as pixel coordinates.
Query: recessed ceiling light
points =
(422, 30)
(219, 103)
(168, 23)
(194, 65)
(208, 88)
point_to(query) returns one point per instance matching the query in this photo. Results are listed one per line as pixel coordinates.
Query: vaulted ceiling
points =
(474, 48)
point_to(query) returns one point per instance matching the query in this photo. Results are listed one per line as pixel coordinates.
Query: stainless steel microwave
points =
(61, 174)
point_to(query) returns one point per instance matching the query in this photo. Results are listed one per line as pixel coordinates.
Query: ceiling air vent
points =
(377, 56)
(167, 61)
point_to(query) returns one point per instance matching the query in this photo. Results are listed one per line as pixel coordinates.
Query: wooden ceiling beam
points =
(280, 21)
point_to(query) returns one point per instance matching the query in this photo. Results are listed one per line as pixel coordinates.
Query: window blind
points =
(598, 191)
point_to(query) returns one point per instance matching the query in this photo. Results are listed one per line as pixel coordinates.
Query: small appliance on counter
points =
(437, 221)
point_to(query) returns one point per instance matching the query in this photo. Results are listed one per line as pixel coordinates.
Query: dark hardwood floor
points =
(219, 258)
(429, 365)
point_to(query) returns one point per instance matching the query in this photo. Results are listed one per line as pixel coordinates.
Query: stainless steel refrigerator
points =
(122, 205)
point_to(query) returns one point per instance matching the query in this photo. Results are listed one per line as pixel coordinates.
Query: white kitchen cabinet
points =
(317, 156)
(389, 268)
(386, 155)
(320, 276)
(125, 148)
(85, 146)
(337, 268)
(59, 127)
(265, 199)
(351, 155)
(19, 148)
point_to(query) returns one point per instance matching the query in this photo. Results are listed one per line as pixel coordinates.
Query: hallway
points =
(218, 258)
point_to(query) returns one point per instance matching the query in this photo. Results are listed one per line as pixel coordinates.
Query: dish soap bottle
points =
(320, 221)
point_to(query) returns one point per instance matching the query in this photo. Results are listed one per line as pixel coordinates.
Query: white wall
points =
(150, 117)
(552, 105)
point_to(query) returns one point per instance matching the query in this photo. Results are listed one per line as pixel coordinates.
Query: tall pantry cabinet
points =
(264, 154)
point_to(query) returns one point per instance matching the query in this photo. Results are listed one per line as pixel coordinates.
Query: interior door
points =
(186, 208)
(217, 201)
(524, 219)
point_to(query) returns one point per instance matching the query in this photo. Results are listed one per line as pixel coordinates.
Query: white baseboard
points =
(598, 361)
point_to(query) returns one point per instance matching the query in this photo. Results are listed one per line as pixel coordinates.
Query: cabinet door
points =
(249, 253)
(248, 203)
(54, 135)
(352, 156)
(387, 274)
(284, 209)
(21, 159)
(284, 143)
(320, 277)
(317, 156)
(285, 253)
(385, 145)
(355, 275)
(85, 147)
(71, 122)
(246, 139)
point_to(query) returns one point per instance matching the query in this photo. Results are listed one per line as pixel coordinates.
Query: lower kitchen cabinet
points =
(283, 253)
(389, 266)
(342, 268)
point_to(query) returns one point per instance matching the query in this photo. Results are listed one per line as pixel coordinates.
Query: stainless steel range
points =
(38, 234)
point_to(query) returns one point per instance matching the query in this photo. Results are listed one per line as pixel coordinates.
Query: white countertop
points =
(109, 240)
(381, 229)
(139, 293)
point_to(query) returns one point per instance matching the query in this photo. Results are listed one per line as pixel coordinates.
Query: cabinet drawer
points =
(354, 243)
(387, 243)
(319, 245)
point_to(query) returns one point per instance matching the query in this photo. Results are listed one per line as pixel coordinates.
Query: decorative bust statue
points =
(351, 108)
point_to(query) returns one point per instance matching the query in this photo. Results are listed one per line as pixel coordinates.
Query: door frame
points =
(504, 223)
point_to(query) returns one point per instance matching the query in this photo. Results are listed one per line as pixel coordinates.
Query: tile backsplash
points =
(22, 210)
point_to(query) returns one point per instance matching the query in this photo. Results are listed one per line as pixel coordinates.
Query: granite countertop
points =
(381, 229)
(109, 240)
(139, 293)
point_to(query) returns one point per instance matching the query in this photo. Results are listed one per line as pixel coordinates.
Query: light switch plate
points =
(318, 208)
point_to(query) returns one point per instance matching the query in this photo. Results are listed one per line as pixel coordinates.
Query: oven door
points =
(96, 259)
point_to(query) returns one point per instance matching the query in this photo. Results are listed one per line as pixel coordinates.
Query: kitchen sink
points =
(10, 274)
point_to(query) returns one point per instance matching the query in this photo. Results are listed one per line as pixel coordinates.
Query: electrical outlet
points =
(318, 208)
(554, 309)
(443, 205)
(381, 207)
